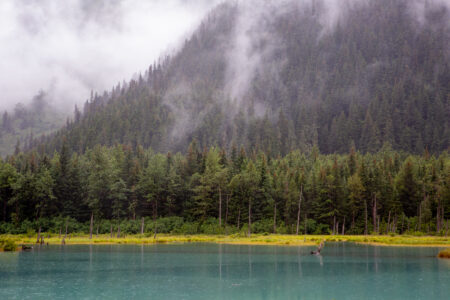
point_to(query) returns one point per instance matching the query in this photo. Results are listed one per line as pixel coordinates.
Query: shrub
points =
(322, 229)
(9, 245)
(444, 253)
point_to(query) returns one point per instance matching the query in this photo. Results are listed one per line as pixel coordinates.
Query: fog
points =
(68, 48)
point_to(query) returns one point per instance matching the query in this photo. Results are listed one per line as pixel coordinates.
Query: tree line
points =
(354, 193)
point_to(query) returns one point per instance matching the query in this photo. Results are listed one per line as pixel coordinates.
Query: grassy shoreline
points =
(256, 239)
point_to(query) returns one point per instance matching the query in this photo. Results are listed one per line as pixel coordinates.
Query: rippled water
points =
(211, 271)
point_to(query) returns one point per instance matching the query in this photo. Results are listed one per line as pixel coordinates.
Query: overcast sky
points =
(69, 47)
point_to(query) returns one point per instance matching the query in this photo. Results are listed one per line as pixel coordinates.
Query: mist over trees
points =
(18, 128)
(378, 75)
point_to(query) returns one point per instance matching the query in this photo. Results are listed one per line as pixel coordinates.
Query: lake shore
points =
(255, 239)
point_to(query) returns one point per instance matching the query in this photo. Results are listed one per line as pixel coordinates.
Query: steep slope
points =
(18, 128)
(284, 75)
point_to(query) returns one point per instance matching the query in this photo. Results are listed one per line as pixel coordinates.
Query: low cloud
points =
(68, 48)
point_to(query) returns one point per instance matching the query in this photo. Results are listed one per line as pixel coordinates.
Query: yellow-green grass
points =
(444, 253)
(254, 239)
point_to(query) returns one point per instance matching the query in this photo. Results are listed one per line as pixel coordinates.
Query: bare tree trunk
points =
(374, 212)
(337, 228)
(226, 210)
(275, 218)
(403, 220)
(353, 220)
(155, 213)
(378, 226)
(96, 235)
(142, 225)
(249, 217)
(334, 225)
(343, 227)
(365, 223)
(65, 235)
(111, 232)
(118, 231)
(299, 208)
(420, 217)
(446, 229)
(92, 225)
(305, 225)
(438, 218)
(388, 223)
(239, 218)
(39, 235)
(220, 207)
(60, 229)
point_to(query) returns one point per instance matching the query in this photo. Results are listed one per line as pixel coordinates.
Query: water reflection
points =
(209, 271)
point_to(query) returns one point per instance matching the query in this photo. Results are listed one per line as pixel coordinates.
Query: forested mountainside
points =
(291, 75)
(19, 127)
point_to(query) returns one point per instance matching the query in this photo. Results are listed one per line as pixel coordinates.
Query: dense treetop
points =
(382, 192)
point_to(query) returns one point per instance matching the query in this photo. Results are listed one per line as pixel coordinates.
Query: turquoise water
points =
(210, 271)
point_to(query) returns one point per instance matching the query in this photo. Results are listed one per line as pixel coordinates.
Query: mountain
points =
(283, 75)
(18, 128)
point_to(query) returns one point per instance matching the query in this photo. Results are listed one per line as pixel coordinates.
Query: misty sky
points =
(70, 47)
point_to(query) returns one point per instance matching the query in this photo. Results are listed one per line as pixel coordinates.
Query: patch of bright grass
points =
(254, 239)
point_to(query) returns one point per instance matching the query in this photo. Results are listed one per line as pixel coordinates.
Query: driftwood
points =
(26, 248)
(317, 252)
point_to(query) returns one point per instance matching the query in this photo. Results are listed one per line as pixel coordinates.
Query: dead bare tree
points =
(374, 211)
(334, 225)
(275, 217)
(249, 216)
(142, 225)
(220, 207)
(299, 208)
(305, 225)
(365, 224)
(91, 228)
(239, 218)
(388, 223)
(39, 235)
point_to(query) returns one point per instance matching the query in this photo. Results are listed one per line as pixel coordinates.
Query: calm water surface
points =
(210, 271)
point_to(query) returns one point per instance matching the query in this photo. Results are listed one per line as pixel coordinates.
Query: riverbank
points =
(257, 239)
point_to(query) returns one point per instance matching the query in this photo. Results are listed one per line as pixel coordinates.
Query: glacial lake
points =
(213, 271)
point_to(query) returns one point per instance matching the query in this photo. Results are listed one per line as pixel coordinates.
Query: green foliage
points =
(8, 245)
(214, 192)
